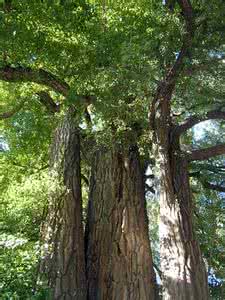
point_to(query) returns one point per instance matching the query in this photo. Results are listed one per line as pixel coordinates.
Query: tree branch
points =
(194, 174)
(212, 168)
(7, 6)
(40, 76)
(194, 120)
(208, 167)
(27, 167)
(204, 66)
(214, 187)
(85, 179)
(44, 98)
(203, 154)
(166, 87)
(207, 184)
(48, 102)
(150, 176)
(10, 113)
(149, 188)
(187, 13)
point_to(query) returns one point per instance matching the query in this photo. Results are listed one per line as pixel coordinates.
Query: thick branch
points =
(166, 87)
(194, 120)
(203, 154)
(40, 76)
(48, 102)
(187, 12)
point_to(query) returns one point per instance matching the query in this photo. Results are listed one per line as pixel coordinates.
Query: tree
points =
(63, 236)
(183, 270)
(60, 219)
(105, 60)
(118, 254)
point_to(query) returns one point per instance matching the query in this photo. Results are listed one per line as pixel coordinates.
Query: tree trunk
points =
(119, 261)
(64, 260)
(182, 266)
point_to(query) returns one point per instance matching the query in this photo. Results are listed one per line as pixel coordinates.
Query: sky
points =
(199, 129)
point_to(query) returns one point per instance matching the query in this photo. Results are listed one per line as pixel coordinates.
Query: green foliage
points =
(22, 210)
(18, 269)
(21, 213)
(210, 222)
(118, 52)
(25, 215)
(209, 204)
(153, 216)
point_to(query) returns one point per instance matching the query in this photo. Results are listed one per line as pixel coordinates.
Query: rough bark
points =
(64, 260)
(203, 154)
(183, 270)
(119, 262)
(40, 76)
(184, 275)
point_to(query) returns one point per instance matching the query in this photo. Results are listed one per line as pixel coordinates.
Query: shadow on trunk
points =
(118, 254)
(64, 261)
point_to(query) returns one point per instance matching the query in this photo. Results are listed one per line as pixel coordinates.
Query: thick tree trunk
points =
(119, 262)
(184, 275)
(64, 260)
(182, 266)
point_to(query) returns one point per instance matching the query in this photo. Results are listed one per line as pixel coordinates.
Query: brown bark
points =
(119, 262)
(183, 270)
(40, 76)
(203, 154)
(184, 275)
(64, 260)
(48, 102)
